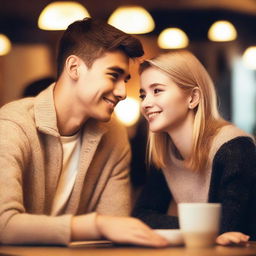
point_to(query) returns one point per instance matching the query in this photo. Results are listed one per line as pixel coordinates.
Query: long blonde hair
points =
(187, 72)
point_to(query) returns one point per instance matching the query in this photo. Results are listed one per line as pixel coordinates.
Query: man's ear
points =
(194, 98)
(72, 66)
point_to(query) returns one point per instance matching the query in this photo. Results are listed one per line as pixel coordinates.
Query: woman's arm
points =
(153, 203)
(233, 179)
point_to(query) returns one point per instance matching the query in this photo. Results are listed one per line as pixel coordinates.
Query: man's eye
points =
(114, 75)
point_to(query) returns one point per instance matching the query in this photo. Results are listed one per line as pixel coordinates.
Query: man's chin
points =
(104, 119)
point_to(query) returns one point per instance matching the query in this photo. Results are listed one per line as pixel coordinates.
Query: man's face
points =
(100, 87)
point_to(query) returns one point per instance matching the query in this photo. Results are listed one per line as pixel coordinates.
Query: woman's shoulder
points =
(236, 155)
(229, 134)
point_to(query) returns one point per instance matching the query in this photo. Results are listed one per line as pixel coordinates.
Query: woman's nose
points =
(146, 102)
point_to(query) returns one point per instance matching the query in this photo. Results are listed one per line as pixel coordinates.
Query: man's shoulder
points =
(114, 131)
(115, 125)
(18, 111)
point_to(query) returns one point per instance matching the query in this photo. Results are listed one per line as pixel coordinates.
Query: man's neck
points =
(69, 119)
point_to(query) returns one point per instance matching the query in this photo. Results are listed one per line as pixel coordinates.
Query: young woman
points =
(202, 157)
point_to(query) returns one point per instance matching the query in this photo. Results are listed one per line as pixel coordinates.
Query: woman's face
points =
(164, 104)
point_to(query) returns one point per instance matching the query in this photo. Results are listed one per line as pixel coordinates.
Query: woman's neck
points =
(182, 136)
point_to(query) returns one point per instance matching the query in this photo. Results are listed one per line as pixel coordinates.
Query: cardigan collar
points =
(46, 117)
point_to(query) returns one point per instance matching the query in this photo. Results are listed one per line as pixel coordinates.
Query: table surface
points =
(125, 251)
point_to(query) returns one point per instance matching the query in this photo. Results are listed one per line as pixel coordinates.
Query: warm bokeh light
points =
(58, 15)
(222, 31)
(249, 57)
(5, 45)
(172, 38)
(132, 20)
(128, 111)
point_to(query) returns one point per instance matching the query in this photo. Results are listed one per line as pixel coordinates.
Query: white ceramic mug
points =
(199, 223)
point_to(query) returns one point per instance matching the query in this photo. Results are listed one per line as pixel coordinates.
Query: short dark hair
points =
(90, 38)
(143, 66)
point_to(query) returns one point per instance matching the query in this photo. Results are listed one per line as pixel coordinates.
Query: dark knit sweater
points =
(233, 184)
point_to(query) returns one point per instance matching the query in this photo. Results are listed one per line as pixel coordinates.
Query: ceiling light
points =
(249, 57)
(5, 45)
(58, 15)
(172, 38)
(222, 31)
(128, 111)
(132, 20)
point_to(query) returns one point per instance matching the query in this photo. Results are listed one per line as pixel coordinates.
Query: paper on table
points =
(173, 236)
(92, 243)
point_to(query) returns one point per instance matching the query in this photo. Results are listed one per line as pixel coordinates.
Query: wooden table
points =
(125, 251)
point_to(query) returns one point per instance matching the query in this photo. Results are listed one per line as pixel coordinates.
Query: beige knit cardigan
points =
(31, 163)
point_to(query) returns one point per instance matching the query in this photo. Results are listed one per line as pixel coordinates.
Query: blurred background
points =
(227, 52)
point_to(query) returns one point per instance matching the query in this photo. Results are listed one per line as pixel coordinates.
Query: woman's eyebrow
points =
(152, 86)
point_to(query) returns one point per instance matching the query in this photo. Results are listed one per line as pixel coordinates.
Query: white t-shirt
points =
(71, 150)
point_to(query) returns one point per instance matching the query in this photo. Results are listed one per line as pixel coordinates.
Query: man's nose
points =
(120, 90)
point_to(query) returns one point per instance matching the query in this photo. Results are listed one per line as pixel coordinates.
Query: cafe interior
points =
(221, 33)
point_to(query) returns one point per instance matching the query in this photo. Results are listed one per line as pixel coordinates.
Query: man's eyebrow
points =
(120, 71)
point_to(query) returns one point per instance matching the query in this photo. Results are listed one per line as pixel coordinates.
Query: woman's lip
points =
(152, 115)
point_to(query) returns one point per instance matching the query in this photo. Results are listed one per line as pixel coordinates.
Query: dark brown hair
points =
(90, 38)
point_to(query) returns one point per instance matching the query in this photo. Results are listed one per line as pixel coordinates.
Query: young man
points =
(60, 160)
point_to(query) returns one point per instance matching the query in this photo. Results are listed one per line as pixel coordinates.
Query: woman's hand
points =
(128, 230)
(232, 238)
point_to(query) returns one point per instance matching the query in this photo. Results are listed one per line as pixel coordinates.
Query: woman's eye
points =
(142, 96)
(157, 91)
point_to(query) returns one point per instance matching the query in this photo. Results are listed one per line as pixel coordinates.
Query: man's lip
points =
(111, 101)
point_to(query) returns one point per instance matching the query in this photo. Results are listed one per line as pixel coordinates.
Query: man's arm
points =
(17, 226)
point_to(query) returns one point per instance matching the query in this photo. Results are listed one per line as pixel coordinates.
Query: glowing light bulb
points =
(58, 15)
(222, 31)
(5, 45)
(249, 57)
(132, 20)
(172, 38)
(128, 111)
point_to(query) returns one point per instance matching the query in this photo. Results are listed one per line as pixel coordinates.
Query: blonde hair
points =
(187, 72)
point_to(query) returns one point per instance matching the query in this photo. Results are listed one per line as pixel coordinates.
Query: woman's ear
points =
(194, 98)
(72, 66)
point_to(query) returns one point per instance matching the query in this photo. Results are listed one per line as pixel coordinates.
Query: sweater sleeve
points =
(116, 197)
(153, 203)
(17, 225)
(233, 179)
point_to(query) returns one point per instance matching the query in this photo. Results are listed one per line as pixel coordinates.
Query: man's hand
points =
(128, 230)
